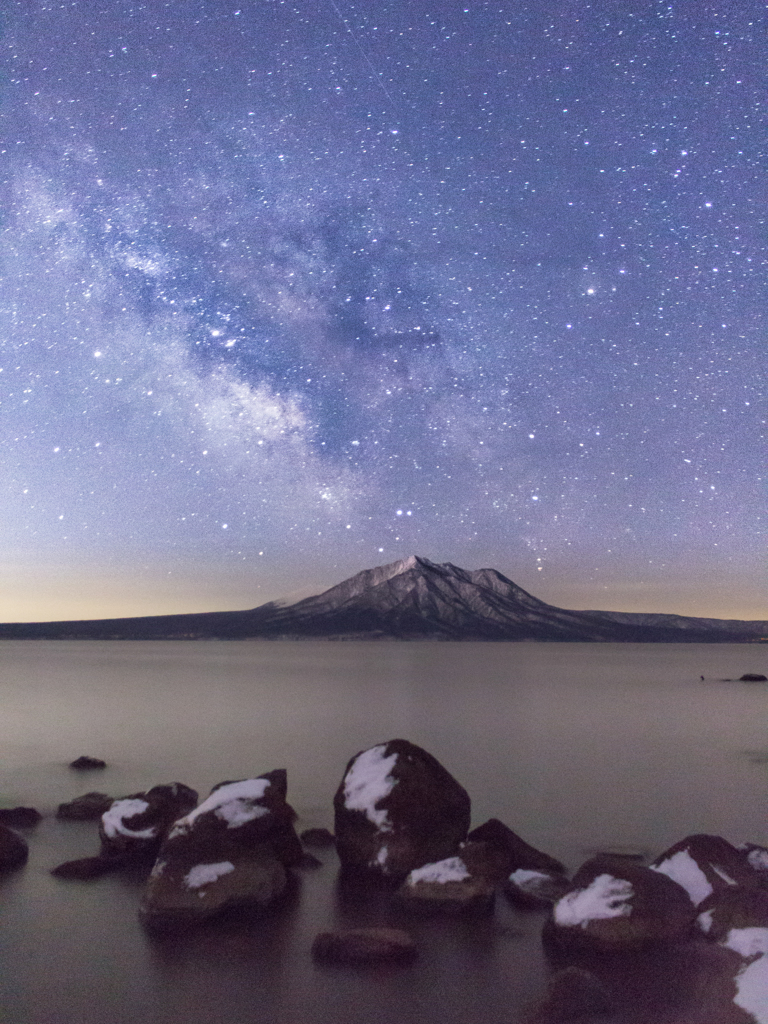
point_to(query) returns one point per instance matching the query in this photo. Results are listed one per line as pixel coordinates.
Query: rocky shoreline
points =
(692, 923)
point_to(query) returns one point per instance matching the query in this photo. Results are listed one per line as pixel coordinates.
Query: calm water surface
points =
(576, 746)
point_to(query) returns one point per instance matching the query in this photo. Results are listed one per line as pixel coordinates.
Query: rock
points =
(87, 867)
(20, 817)
(757, 857)
(753, 677)
(134, 826)
(230, 851)
(484, 860)
(87, 807)
(704, 864)
(618, 906)
(573, 995)
(318, 837)
(734, 907)
(519, 854)
(446, 885)
(397, 808)
(85, 762)
(365, 946)
(13, 849)
(535, 889)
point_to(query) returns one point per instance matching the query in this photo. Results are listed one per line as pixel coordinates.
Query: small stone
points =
(13, 849)
(85, 762)
(88, 807)
(86, 867)
(319, 837)
(20, 817)
(365, 946)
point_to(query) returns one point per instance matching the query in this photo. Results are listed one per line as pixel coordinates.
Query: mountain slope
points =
(410, 599)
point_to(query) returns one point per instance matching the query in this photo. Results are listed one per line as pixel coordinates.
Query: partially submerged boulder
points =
(134, 826)
(358, 946)
(735, 907)
(19, 817)
(396, 809)
(446, 885)
(85, 763)
(13, 849)
(87, 807)
(231, 851)
(617, 907)
(535, 889)
(85, 868)
(517, 852)
(703, 864)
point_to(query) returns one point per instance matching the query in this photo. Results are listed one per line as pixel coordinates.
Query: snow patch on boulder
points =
(605, 897)
(113, 819)
(367, 782)
(236, 803)
(452, 869)
(205, 874)
(747, 942)
(683, 869)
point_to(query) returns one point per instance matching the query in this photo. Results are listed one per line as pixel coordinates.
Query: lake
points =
(577, 747)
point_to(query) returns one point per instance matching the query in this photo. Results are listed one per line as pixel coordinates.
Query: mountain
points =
(413, 599)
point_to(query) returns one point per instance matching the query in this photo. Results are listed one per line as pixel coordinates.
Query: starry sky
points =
(292, 288)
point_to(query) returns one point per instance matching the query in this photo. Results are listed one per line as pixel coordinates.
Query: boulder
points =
(446, 885)
(484, 860)
(88, 807)
(704, 864)
(573, 995)
(753, 677)
(85, 762)
(518, 853)
(365, 946)
(230, 851)
(13, 849)
(616, 906)
(134, 826)
(19, 817)
(535, 889)
(396, 809)
(735, 907)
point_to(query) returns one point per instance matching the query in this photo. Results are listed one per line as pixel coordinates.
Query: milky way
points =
(291, 289)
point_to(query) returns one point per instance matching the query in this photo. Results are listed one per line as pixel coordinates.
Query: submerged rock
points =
(753, 677)
(396, 809)
(20, 817)
(365, 946)
(85, 762)
(13, 849)
(231, 851)
(614, 906)
(87, 807)
(86, 868)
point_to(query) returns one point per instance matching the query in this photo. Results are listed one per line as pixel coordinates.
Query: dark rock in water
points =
(535, 889)
(446, 885)
(87, 867)
(365, 946)
(20, 817)
(753, 677)
(87, 807)
(484, 860)
(13, 849)
(573, 995)
(734, 907)
(319, 837)
(134, 826)
(85, 762)
(618, 906)
(519, 853)
(704, 864)
(231, 851)
(398, 808)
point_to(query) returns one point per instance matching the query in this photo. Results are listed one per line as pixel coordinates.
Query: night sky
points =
(292, 288)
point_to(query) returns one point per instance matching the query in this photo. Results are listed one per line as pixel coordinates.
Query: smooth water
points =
(577, 747)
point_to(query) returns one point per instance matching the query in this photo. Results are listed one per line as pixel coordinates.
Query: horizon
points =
(291, 291)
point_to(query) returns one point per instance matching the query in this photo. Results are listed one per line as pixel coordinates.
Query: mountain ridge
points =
(409, 599)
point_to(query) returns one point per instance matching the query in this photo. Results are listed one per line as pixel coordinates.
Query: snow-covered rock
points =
(615, 905)
(704, 864)
(231, 850)
(446, 885)
(134, 826)
(527, 888)
(396, 809)
(736, 907)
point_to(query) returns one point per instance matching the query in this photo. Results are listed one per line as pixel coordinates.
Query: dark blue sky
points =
(290, 289)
